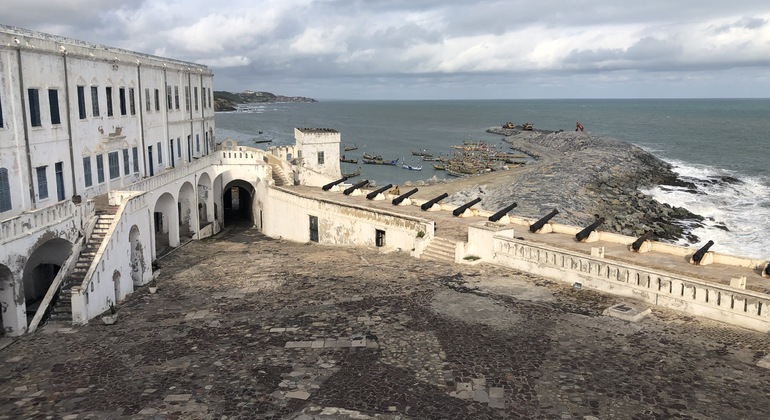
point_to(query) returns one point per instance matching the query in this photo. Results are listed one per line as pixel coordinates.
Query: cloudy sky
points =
(448, 49)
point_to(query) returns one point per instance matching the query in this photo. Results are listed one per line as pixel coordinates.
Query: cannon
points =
(355, 187)
(430, 203)
(699, 254)
(638, 243)
(534, 227)
(329, 186)
(396, 201)
(499, 215)
(583, 234)
(460, 210)
(373, 194)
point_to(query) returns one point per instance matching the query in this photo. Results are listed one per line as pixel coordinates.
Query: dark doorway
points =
(237, 207)
(379, 237)
(149, 155)
(313, 228)
(60, 181)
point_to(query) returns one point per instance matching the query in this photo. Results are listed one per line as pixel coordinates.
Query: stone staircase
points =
(62, 309)
(439, 249)
(279, 176)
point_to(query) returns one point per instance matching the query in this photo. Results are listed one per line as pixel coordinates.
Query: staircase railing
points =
(64, 271)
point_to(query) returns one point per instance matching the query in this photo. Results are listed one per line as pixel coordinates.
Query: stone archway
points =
(205, 201)
(165, 225)
(237, 203)
(137, 256)
(186, 209)
(41, 269)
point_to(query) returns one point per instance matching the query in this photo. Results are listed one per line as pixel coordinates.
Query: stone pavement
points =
(244, 326)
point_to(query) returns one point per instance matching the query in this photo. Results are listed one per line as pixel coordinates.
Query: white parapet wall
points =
(719, 302)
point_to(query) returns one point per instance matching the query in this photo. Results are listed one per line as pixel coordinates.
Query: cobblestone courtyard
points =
(248, 327)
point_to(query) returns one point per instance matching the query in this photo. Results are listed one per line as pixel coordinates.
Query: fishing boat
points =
(379, 161)
(439, 167)
(452, 172)
(343, 159)
(348, 148)
(411, 168)
(354, 174)
(370, 156)
(422, 153)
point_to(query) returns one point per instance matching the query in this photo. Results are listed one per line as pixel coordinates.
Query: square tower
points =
(319, 149)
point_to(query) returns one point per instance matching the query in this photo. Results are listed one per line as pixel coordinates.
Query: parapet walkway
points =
(456, 228)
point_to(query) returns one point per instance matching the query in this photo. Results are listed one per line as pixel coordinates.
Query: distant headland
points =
(228, 101)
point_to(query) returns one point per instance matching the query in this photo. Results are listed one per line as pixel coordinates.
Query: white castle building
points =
(108, 160)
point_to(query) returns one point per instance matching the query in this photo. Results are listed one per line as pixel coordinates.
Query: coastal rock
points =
(582, 176)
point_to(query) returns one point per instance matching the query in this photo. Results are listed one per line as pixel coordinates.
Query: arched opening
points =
(40, 270)
(165, 225)
(137, 256)
(237, 200)
(205, 201)
(185, 208)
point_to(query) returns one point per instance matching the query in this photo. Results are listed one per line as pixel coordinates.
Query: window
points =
(160, 154)
(195, 94)
(169, 104)
(157, 100)
(87, 171)
(176, 97)
(320, 158)
(147, 99)
(42, 183)
(94, 101)
(34, 107)
(109, 101)
(100, 168)
(209, 97)
(197, 143)
(136, 159)
(126, 166)
(82, 102)
(53, 106)
(114, 165)
(122, 100)
(5, 191)
(131, 103)
(1, 114)
(179, 147)
(314, 228)
(187, 98)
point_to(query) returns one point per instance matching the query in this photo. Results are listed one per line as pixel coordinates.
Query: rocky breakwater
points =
(584, 176)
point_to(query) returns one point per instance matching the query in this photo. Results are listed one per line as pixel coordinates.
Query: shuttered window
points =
(122, 100)
(94, 101)
(5, 191)
(82, 102)
(114, 165)
(42, 182)
(136, 158)
(126, 166)
(87, 171)
(131, 101)
(53, 105)
(100, 168)
(34, 107)
(108, 90)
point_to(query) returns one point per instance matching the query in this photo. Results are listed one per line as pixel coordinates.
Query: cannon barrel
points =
(329, 186)
(588, 229)
(497, 216)
(430, 203)
(460, 210)
(373, 194)
(534, 227)
(698, 256)
(355, 187)
(638, 243)
(396, 201)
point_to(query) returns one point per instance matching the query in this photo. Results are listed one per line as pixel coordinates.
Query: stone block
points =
(299, 395)
(738, 283)
(481, 396)
(627, 312)
(764, 362)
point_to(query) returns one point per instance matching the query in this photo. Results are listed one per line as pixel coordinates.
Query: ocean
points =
(722, 145)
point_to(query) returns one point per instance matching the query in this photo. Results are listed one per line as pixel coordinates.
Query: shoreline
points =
(582, 176)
